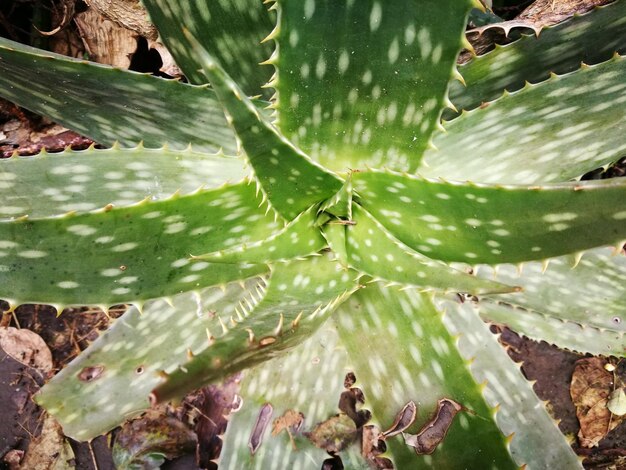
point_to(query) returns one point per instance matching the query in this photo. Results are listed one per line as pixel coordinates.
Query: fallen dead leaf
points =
(590, 389)
(147, 441)
(433, 432)
(50, 450)
(547, 12)
(26, 347)
(617, 402)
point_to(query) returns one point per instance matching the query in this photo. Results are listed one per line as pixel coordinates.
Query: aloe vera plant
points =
(330, 228)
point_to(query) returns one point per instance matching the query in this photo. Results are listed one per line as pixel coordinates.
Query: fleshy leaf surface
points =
(292, 182)
(398, 349)
(298, 239)
(113, 379)
(308, 380)
(550, 132)
(537, 440)
(580, 308)
(88, 180)
(231, 30)
(590, 38)
(371, 249)
(112, 105)
(133, 253)
(293, 308)
(495, 224)
(401, 351)
(373, 94)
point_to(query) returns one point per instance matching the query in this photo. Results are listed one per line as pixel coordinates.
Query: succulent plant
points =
(334, 225)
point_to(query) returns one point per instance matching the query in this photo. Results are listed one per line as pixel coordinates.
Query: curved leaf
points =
(90, 179)
(580, 308)
(553, 131)
(232, 30)
(537, 440)
(130, 254)
(292, 182)
(371, 249)
(292, 309)
(112, 380)
(495, 224)
(112, 105)
(590, 38)
(373, 94)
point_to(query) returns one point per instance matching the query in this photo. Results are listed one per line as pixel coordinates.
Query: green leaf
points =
(112, 105)
(310, 380)
(401, 351)
(87, 180)
(579, 308)
(537, 440)
(124, 363)
(292, 309)
(363, 83)
(549, 132)
(590, 38)
(232, 31)
(299, 238)
(340, 205)
(371, 249)
(291, 181)
(397, 346)
(130, 254)
(495, 224)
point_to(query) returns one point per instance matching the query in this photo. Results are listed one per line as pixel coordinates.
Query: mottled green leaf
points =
(371, 249)
(309, 380)
(90, 179)
(124, 363)
(363, 83)
(292, 182)
(579, 308)
(401, 351)
(299, 238)
(537, 440)
(133, 253)
(495, 224)
(109, 104)
(232, 30)
(590, 38)
(292, 309)
(549, 132)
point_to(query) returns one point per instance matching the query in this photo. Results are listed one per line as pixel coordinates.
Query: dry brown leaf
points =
(105, 41)
(590, 389)
(49, 450)
(129, 14)
(403, 420)
(26, 347)
(547, 12)
(433, 432)
(147, 441)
